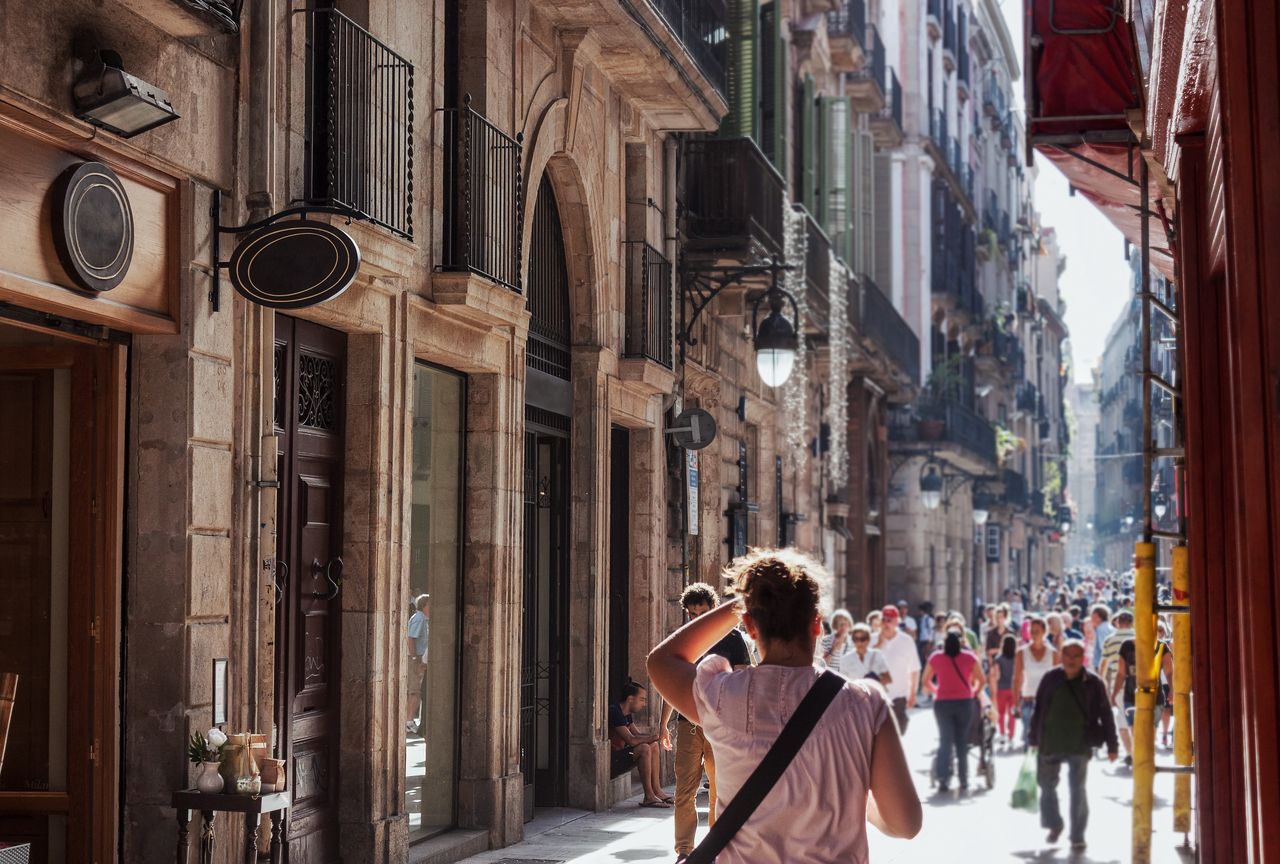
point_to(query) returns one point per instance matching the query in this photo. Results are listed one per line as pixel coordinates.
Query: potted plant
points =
(206, 751)
(944, 382)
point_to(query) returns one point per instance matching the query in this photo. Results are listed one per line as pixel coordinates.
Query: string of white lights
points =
(837, 406)
(795, 392)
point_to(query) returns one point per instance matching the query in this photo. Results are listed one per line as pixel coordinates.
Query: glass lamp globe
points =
(931, 483)
(980, 516)
(1161, 508)
(775, 365)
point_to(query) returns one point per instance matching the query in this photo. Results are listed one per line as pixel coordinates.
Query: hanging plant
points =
(837, 413)
(795, 392)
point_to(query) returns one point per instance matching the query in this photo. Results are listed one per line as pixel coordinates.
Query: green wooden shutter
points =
(780, 90)
(882, 265)
(864, 221)
(834, 211)
(809, 145)
(743, 70)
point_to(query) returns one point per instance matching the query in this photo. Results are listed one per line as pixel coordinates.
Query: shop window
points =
(432, 633)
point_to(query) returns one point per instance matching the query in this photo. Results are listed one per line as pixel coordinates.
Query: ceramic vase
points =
(209, 781)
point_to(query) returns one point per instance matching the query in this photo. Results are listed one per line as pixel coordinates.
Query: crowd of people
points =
(1050, 671)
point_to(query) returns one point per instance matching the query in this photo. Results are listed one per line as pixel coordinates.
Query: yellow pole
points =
(1182, 753)
(1144, 731)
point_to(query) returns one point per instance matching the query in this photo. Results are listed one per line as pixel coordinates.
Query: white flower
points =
(216, 738)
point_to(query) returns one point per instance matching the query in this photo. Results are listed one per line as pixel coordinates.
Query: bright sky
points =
(1095, 284)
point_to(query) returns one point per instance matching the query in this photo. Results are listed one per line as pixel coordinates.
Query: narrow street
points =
(978, 828)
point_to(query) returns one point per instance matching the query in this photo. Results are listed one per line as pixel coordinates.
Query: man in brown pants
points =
(693, 752)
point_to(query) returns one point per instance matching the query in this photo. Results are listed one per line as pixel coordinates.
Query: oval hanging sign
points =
(93, 226)
(294, 264)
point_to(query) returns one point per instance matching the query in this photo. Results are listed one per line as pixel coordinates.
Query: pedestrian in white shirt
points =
(836, 644)
(900, 654)
(863, 661)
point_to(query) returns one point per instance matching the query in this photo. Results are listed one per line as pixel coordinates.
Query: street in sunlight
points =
(978, 827)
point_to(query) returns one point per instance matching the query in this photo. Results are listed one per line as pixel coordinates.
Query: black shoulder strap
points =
(771, 767)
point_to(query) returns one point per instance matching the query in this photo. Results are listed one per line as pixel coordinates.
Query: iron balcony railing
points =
(1028, 397)
(483, 197)
(892, 109)
(733, 193)
(993, 98)
(850, 19)
(1015, 489)
(359, 139)
(648, 298)
(817, 272)
(962, 428)
(938, 128)
(881, 323)
(702, 27)
(969, 430)
(874, 69)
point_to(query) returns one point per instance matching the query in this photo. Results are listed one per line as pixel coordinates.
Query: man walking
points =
(901, 655)
(1110, 663)
(1100, 615)
(693, 752)
(417, 637)
(1072, 716)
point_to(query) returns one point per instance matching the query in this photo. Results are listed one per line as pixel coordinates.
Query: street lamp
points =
(982, 503)
(931, 483)
(775, 342)
(1161, 506)
(775, 339)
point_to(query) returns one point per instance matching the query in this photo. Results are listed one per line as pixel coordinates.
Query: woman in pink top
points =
(954, 677)
(854, 747)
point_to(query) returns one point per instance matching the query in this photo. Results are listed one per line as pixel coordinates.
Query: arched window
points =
(548, 287)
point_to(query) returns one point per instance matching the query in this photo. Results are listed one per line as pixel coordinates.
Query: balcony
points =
(948, 39)
(887, 331)
(1028, 398)
(846, 35)
(733, 199)
(933, 20)
(665, 56)
(1015, 489)
(359, 139)
(817, 276)
(700, 25)
(648, 332)
(866, 87)
(886, 124)
(993, 102)
(962, 437)
(483, 198)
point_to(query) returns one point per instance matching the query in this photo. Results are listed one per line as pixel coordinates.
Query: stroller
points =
(982, 735)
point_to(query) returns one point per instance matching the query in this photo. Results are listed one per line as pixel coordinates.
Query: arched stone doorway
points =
(544, 696)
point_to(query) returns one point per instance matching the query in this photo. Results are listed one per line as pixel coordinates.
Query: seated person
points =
(633, 750)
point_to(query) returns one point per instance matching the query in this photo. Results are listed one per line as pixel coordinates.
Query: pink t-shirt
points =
(817, 814)
(953, 680)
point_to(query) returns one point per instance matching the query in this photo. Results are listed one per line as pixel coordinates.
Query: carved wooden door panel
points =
(310, 363)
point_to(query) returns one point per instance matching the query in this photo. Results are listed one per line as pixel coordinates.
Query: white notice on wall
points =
(691, 495)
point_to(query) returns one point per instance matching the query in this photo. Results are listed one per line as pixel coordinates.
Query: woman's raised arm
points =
(671, 664)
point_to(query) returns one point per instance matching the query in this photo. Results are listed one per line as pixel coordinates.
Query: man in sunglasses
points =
(863, 661)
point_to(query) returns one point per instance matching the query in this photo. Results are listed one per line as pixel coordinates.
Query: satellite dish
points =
(693, 429)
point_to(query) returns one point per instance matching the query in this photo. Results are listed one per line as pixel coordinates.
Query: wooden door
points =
(60, 502)
(310, 364)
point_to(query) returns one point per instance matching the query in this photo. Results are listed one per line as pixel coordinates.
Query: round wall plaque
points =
(93, 226)
(289, 265)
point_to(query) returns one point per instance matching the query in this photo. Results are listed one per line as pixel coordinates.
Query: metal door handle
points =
(279, 580)
(335, 582)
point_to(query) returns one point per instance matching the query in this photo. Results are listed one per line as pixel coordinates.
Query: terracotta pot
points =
(931, 430)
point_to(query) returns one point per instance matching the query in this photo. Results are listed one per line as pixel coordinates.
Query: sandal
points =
(657, 803)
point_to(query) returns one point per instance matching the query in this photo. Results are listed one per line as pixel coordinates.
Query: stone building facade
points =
(968, 516)
(240, 508)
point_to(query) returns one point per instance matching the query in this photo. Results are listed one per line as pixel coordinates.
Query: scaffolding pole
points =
(1144, 585)
(1182, 693)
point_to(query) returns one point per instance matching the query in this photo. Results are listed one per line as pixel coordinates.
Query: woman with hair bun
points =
(854, 746)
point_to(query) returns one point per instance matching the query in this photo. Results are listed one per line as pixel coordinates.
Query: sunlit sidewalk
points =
(977, 828)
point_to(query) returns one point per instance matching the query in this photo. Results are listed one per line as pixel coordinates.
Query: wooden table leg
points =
(275, 836)
(251, 822)
(206, 837)
(184, 818)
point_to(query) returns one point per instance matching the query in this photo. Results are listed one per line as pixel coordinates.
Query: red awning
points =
(1084, 77)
